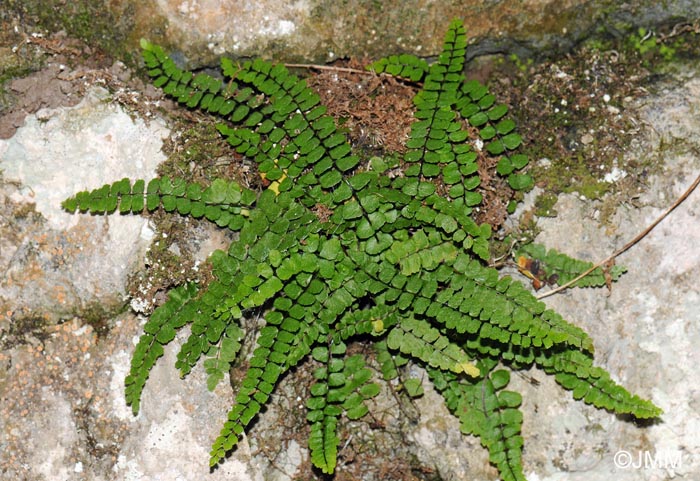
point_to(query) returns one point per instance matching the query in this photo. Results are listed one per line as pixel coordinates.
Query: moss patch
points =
(86, 20)
(544, 205)
(578, 113)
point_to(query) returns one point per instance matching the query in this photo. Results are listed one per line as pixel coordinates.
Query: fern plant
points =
(336, 250)
(553, 267)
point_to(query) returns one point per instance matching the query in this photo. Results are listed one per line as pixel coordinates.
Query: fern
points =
(334, 250)
(553, 266)
(158, 331)
(489, 412)
(406, 66)
(342, 386)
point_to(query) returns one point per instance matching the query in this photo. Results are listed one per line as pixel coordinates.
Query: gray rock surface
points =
(56, 264)
(645, 330)
(324, 30)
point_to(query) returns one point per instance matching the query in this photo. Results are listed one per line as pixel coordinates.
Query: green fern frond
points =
(325, 406)
(488, 411)
(342, 386)
(224, 203)
(561, 269)
(374, 321)
(218, 364)
(313, 146)
(406, 66)
(436, 146)
(192, 90)
(574, 371)
(158, 331)
(266, 366)
(336, 250)
(389, 362)
(418, 339)
(323, 442)
(496, 131)
(206, 330)
(478, 301)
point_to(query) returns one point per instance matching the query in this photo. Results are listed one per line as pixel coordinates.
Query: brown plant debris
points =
(377, 111)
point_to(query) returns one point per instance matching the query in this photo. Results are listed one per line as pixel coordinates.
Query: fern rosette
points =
(334, 251)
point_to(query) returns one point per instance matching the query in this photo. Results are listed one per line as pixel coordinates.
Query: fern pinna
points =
(337, 249)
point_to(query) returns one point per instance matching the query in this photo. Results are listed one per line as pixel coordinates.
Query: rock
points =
(57, 264)
(321, 31)
(643, 329)
(63, 409)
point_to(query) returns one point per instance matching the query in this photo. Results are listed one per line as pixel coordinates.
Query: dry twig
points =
(329, 67)
(624, 248)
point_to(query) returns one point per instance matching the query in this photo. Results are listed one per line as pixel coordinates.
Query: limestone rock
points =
(643, 329)
(57, 264)
(322, 30)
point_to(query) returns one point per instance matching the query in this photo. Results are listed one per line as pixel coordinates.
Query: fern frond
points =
(300, 299)
(282, 344)
(313, 146)
(389, 362)
(158, 331)
(407, 66)
(251, 273)
(514, 315)
(285, 130)
(324, 406)
(295, 331)
(323, 442)
(431, 148)
(575, 371)
(218, 364)
(496, 130)
(554, 263)
(200, 90)
(422, 253)
(206, 331)
(223, 203)
(358, 387)
(488, 411)
(498, 422)
(418, 339)
(266, 366)
(375, 321)
(342, 385)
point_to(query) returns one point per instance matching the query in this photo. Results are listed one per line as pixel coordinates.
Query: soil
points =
(51, 70)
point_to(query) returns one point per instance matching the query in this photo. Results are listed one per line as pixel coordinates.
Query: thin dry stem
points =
(329, 67)
(628, 245)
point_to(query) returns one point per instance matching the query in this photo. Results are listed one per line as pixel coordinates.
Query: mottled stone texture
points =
(64, 417)
(323, 30)
(53, 262)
